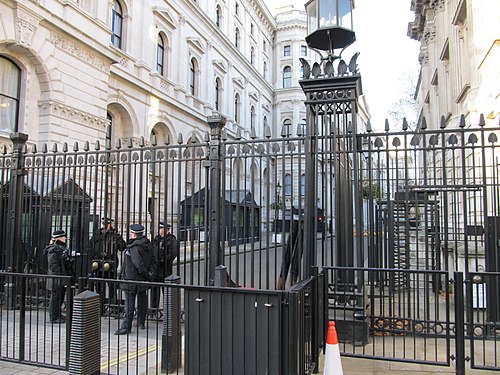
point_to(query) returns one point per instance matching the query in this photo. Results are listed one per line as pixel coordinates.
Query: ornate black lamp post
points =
(331, 105)
(329, 24)
(332, 88)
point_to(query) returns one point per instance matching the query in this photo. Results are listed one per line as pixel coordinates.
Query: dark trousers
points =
(142, 307)
(56, 301)
(155, 294)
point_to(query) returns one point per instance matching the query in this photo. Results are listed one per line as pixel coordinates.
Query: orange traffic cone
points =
(333, 366)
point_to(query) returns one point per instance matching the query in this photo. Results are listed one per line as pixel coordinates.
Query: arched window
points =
(287, 76)
(252, 117)
(160, 55)
(117, 24)
(218, 16)
(288, 185)
(236, 107)
(265, 69)
(303, 185)
(252, 55)
(265, 121)
(218, 94)
(9, 95)
(287, 127)
(237, 38)
(192, 77)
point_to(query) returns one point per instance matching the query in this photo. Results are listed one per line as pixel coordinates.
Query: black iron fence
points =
(27, 333)
(409, 208)
(191, 330)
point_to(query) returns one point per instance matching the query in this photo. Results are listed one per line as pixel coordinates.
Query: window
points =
(303, 185)
(218, 16)
(9, 95)
(264, 45)
(160, 54)
(265, 69)
(218, 94)
(287, 128)
(116, 24)
(287, 77)
(237, 38)
(252, 56)
(237, 9)
(251, 29)
(301, 75)
(236, 107)
(303, 50)
(265, 121)
(288, 185)
(252, 117)
(287, 51)
(192, 77)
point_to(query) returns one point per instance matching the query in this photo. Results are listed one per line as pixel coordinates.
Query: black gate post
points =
(331, 103)
(15, 251)
(460, 323)
(14, 259)
(215, 158)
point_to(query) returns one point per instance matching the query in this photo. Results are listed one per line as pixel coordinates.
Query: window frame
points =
(160, 55)
(16, 99)
(287, 50)
(287, 76)
(117, 24)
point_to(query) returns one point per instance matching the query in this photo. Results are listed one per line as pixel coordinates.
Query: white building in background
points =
(71, 68)
(460, 60)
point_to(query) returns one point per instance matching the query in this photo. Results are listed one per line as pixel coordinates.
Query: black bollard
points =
(171, 337)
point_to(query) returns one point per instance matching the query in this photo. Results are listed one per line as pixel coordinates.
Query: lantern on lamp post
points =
(329, 24)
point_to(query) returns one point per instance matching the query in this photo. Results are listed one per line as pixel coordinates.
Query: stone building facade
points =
(460, 60)
(71, 68)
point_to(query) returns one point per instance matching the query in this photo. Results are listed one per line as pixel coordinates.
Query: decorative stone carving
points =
(429, 33)
(423, 57)
(437, 5)
(25, 28)
(78, 51)
(72, 114)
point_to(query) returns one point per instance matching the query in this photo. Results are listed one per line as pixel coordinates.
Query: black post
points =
(172, 332)
(331, 103)
(459, 323)
(216, 124)
(15, 252)
(310, 204)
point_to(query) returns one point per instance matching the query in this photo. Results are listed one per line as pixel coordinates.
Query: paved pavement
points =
(351, 366)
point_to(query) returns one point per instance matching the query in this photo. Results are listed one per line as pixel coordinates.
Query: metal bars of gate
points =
(483, 319)
(378, 318)
(28, 336)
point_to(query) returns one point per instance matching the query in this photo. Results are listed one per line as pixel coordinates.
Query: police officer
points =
(103, 251)
(137, 261)
(165, 244)
(58, 264)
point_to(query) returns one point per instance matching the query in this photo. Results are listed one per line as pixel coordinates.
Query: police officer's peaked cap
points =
(107, 220)
(137, 228)
(161, 224)
(58, 233)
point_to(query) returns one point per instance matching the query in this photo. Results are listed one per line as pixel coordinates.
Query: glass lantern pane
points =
(345, 13)
(312, 17)
(328, 13)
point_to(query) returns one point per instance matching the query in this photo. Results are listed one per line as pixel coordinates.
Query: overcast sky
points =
(387, 54)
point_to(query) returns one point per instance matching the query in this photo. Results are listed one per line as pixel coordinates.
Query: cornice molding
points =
(76, 50)
(70, 113)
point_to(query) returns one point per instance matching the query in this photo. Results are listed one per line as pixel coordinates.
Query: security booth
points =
(240, 220)
(285, 218)
(50, 203)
